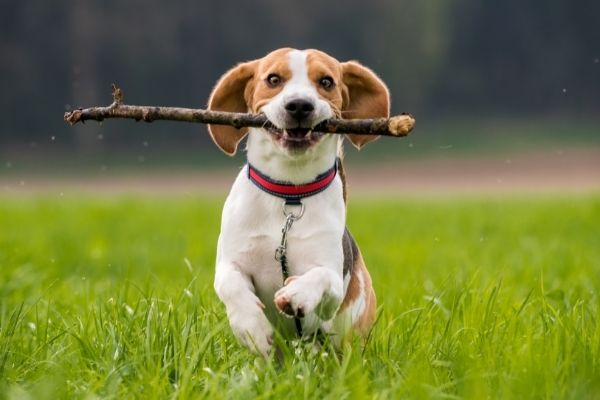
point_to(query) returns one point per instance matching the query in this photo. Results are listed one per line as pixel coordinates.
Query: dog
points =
(284, 250)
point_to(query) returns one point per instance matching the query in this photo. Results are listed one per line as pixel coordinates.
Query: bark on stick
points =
(397, 126)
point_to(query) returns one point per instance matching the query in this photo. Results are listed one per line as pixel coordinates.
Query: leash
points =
(281, 251)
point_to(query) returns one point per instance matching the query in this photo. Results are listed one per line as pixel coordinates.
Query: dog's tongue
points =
(297, 133)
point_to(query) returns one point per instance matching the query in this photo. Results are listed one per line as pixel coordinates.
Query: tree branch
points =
(397, 126)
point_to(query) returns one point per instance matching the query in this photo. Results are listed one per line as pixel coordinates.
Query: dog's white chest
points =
(251, 231)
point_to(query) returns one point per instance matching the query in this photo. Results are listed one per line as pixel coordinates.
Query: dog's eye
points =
(326, 82)
(273, 80)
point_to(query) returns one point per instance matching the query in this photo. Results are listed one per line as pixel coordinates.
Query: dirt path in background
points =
(552, 170)
(548, 171)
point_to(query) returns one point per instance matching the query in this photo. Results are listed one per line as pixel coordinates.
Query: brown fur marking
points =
(366, 319)
(342, 174)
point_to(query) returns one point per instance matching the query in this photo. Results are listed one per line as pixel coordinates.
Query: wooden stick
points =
(396, 126)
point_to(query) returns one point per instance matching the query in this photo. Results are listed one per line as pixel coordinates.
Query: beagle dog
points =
(285, 260)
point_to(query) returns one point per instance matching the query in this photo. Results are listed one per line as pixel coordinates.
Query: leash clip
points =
(290, 218)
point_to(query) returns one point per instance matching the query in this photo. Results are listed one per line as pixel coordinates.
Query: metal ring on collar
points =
(290, 214)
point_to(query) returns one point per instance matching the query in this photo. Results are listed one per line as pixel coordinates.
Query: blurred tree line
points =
(459, 57)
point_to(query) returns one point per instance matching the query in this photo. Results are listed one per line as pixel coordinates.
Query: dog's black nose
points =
(299, 109)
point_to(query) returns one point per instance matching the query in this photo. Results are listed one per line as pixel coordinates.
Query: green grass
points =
(479, 298)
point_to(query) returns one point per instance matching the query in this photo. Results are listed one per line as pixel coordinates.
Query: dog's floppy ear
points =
(229, 95)
(365, 96)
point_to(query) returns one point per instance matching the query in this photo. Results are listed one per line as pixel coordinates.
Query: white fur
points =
(247, 271)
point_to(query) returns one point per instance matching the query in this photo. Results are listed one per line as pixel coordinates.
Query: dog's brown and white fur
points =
(329, 285)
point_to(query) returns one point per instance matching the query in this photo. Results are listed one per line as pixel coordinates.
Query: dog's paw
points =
(294, 299)
(254, 331)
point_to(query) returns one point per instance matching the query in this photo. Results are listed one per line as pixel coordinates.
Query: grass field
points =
(479, 298)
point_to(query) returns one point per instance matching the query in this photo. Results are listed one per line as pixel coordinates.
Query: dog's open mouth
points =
(297, 134)
(296, 138)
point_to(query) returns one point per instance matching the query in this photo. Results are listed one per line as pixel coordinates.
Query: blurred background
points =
(506, 94)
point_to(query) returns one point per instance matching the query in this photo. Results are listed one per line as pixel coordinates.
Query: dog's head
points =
(296, 90)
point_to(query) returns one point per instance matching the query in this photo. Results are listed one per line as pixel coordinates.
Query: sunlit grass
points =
(478, 298)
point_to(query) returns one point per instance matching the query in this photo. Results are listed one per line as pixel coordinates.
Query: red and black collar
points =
(291, 193)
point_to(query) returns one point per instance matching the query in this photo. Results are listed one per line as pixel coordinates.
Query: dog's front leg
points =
(244, 308)
(319, 290)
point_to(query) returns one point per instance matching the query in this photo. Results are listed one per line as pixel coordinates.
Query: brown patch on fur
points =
(352, 293)
(342, 173)
(244, 88)
(259, 92)
(321, 65)
(357, 91)
(228, 95)
(367, 317)
(366, 97)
